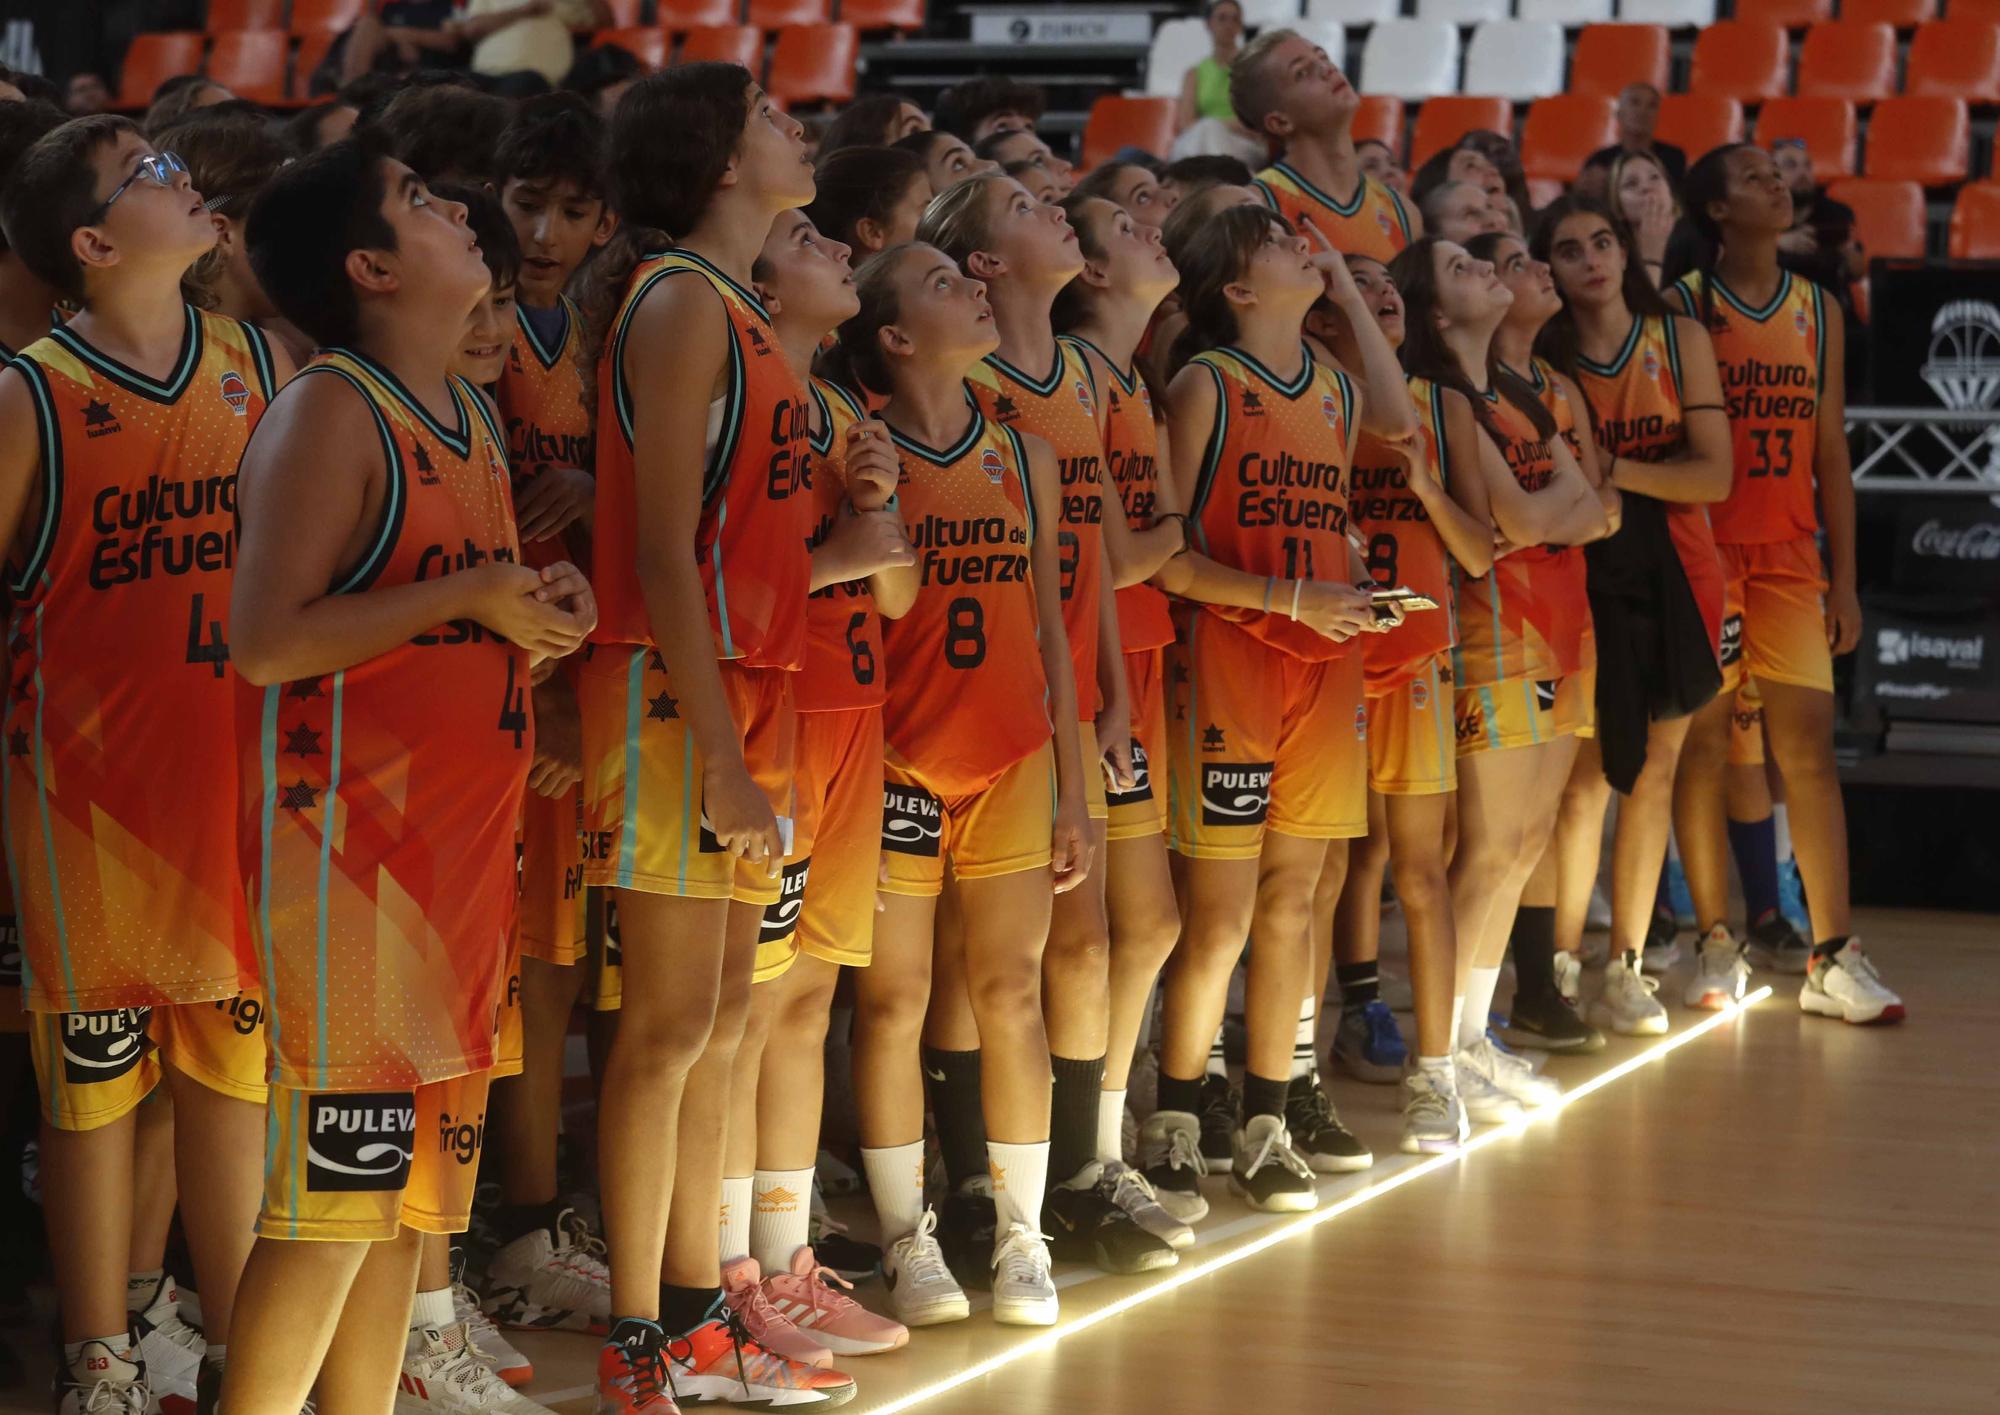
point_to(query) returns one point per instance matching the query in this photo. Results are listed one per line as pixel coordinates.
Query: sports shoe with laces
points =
(1129, 1190)
(1218, 1119)
(443, 1375)
(812, 1298)
(1775, 944)
(967, 1225)
(1316, 1132)
(1484, 1102)
(1024, 1293)
(768, 1326)
(1086, 1227)
(101, 1382)
(1171, 1159)
(1368, 1045)
(1568, 971)
(632, 1373)
(921, 1286)
(1848, 987)
(1721, 973)
(1267, 1172)
(1627, 1005)
(170, 1350)
(1434, 1119)
(835, 1247)
(551, 1280)
(1546, 1020)
(1663, 944)
(1506, 1073)
(507, 1361)
(718, 1362)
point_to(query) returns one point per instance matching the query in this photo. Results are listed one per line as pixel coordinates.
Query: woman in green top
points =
(1205, 88)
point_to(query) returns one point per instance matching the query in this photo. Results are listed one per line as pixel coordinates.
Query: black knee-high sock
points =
(1073, 1116)
(952, 1078)
(1360, 983)
(1534, 943)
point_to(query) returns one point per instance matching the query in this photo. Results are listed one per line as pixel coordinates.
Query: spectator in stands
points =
(872, 120)
(179, 96)
(947, 160)
(1637, 112)
(1132, 186)
(1458, 211)
(446, 132)
(602, 73)
(1821, 244)
(978, 108)
(1379, 161)
(1505, 159)
(1021, 145)
(313, 128)
(1205, 121)
(869, 198)
(1643, 194)
(401, 36)
(87, 93)
(1457, 164)
(526, 41)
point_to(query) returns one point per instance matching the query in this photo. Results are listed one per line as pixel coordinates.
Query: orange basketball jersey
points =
(121, 752)
(843, 664)
(542, 405)
(1062, 410)
(1403, 546)
(1773, 365)
(1270, 492)
(1131, 455)
(751, 540)
(379, 803)
(1635, 413)
(1372, 222)
(967, 697)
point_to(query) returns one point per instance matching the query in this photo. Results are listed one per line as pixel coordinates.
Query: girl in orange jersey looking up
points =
(977, 669)
(1520, 638)
(1267, 732)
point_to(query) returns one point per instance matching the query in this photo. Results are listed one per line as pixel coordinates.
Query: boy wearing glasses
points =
(119, 437)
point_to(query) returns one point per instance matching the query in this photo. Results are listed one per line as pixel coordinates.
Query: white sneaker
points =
(102, 1383)
(920, 1282)
(507, 1360)
(1569, 976)
(1024, 1295)
(1721, 971)
(1434, 1119)
(1485, 1103)
(1627, 1005)
(1848, 987)
(443, 1375)
(171, 1352)
(1506, 1073)
(1128, 1190)
(551, 1281)
(1596, 947)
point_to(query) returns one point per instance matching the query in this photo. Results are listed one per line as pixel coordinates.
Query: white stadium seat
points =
(1353, 12)
(1673, 13)
(1411, 58)
(1515, 59)
(1178, 45)
(1565, 12)
(1464, 12)
(1260, 14)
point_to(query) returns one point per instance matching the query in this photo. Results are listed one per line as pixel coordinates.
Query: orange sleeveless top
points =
(1403, 547)
(542, 405)
(1131, 455)
(1372, 222)
(843, 663)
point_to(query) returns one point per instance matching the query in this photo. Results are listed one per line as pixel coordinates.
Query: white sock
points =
(1457, 1015)
(1111, 1125)
(780, 1215)
(433, 1310)
(216, 1356)
(1020, 1175)
(1218, 1064)
(1438, 1068)
(896, 1180)
(1781, 827)
(1302, 1039)
(120, 1345)
(735, 1216)
(1478, 1003)
(142, 1288)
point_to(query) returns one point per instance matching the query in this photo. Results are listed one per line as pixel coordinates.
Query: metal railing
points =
(1905, 451)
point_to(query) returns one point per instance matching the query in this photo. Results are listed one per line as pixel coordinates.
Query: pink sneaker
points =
(809, 1297)
(770, 1328)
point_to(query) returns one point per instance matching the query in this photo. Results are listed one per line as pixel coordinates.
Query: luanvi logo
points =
(102, 1046)
(362, 1141)
(912, 821)
(1235, 793)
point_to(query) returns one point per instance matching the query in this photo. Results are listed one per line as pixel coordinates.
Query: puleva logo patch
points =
(1731, 647)
(1545, 694)
(360, 1142)
(912, 821)
(1235, 793)
(781, 919)
(1142, 780)
(102, 1046)
(235, 392)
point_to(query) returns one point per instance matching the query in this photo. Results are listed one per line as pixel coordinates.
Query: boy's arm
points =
(1833, 471)
(1071, 839)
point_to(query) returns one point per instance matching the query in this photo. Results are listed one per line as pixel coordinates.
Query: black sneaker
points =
(850, 1258)
(967, 1230)
(1317, 1134)
(1218, 1119)
(1170, 1158)
(1085, 1227)
(1267, 1172)
(1775, 944)
(1544, 1021)
(1663, 943)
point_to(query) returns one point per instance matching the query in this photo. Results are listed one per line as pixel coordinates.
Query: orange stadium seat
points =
(883, 14)
(728, 44)
(642, 42)
(680, 15)
(1889, 217)
(776, 14)
(1117, 122)
(1697, 122)
(1741, 59)
(1442, 121)
(154, 58)
(814, 64)
(1380, 117)
(313, 49)
(1852, 59)
(1988, 10)
(1562, 131)
(1925, 140)
(1903, 14)
(1955, 59)
(1975, 222)
(250, 63)
(1608, 57)
(1827, 125)
(1792, 14)
(624, 15)
(227, 15)
(325, 16)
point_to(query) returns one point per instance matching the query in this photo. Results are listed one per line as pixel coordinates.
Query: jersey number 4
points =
(513, 705)
(211, 650)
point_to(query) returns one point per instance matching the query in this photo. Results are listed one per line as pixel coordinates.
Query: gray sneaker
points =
(1128, 1190)
(1434, 1119)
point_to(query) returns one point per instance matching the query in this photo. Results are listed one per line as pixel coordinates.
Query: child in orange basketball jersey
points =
(1782, 352)
(700, 554)
(979, 676)
(386, 636)
(119, 437)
